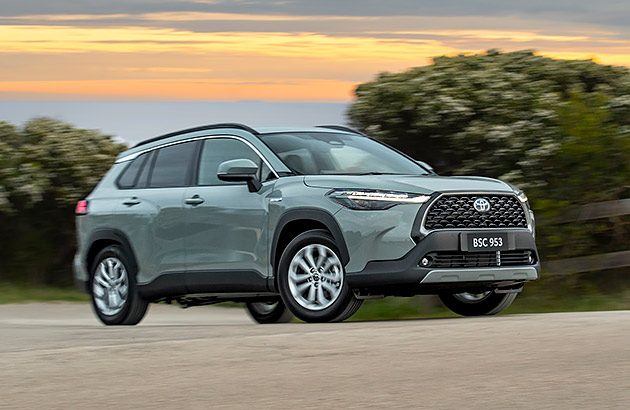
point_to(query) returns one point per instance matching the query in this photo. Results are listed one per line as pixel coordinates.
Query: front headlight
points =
(365, 199)
(523, 198)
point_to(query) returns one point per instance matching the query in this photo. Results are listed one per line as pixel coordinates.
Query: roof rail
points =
(200, 128)
(341, 128)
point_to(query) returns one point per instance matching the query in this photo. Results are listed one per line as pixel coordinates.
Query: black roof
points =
(237, 126)
(201, 128)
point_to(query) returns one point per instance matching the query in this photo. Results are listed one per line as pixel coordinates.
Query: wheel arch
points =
(297, 221)
(101, 238)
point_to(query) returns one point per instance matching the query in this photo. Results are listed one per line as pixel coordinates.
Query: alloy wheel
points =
(315, 277)
(110, 286)
(263, 308)
(467, 297)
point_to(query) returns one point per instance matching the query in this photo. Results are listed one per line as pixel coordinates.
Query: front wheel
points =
(273, 311)
(477, 304)
(311, 279)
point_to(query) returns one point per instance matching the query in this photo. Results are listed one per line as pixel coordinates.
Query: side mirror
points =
(426, 166)
(240, 170)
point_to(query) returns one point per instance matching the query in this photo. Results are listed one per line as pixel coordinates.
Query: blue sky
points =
(136, 121)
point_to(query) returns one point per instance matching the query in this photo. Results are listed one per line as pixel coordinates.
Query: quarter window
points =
(130, 175)
(143, 178)
(171, 165)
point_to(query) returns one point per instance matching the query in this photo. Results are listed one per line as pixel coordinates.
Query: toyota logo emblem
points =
(481, 205)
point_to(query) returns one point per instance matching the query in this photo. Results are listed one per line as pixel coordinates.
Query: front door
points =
(227, 238)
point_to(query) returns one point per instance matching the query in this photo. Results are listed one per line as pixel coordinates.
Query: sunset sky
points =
(283, 51)
(314, 51)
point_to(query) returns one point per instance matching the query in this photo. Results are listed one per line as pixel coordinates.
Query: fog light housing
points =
(426, 261)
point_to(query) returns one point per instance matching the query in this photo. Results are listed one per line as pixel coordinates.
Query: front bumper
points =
(407, 271)
(490, 274)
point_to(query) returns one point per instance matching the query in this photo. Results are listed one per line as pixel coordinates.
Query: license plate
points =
(487, 242)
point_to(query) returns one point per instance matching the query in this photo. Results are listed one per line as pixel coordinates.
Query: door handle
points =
(195, 200)
(131, 202)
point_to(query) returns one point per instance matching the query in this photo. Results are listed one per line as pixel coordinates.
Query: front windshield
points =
(325, 153)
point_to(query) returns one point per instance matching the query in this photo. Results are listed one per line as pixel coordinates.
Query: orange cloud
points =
(180, 70)
(202, 90)
(67, 39)
(116, 61)
(508, 35)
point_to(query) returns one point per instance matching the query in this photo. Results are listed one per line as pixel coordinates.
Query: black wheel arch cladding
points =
(310, 214)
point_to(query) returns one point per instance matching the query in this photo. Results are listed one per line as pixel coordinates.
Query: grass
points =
(543, 296)
(402, 308)
(536, 297)
(18, 293)
(430, 306)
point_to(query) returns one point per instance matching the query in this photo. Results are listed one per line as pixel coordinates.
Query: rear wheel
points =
(269, 312)
(350, 310)
(115, 298)
(477, 304)
(311, 279)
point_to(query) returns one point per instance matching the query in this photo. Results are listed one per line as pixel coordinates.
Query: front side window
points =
(218, 150)
(320, 153)
(171, 165)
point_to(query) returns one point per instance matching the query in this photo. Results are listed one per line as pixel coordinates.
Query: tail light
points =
(82, 208)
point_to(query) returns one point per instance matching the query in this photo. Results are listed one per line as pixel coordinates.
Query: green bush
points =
(46, 166)
(559, 129)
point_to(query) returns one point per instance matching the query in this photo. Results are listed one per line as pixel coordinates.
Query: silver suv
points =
(306, 222)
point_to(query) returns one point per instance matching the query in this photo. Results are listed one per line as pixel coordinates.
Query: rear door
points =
(227, 240)
(151, 209)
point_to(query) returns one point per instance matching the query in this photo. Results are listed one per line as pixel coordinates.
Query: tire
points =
(314, 291)
(115, 298)
(269, 312)
(351, 310)
(487, 303)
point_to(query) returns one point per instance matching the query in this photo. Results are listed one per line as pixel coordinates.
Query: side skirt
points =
(170, 284)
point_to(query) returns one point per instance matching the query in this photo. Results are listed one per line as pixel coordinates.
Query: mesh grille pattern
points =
(479, 259)
(457, 211)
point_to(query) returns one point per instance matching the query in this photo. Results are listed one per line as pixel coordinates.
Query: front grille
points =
(457, 211)
(478, 259)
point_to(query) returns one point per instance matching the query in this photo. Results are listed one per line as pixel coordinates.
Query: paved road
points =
(58, 356)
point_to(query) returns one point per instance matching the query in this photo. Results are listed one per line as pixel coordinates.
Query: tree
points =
(589, 162)
(482, 114)
(46, 166)
(560, 129)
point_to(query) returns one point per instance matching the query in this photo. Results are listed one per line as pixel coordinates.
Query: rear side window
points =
(129, 176)
(171, 165)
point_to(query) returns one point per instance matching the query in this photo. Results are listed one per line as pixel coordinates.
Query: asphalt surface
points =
(59, 356)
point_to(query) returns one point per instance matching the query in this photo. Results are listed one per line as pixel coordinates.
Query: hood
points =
(418, 184)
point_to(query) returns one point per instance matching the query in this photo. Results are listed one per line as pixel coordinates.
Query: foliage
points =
(45, 167)
(590, 164)
(48, 159)
(560, 129)
(484, 114)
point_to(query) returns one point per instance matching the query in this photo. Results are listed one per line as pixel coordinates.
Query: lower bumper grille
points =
(477, 259)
